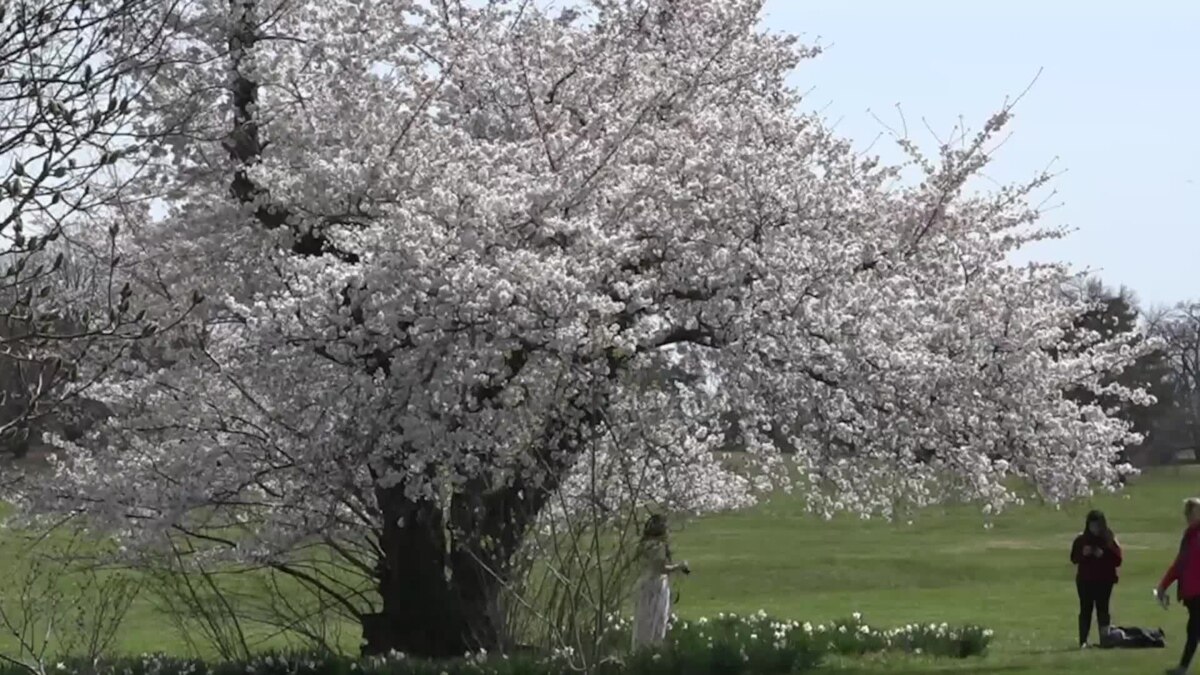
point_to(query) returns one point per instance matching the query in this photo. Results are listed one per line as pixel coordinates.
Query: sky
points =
(1115, 109)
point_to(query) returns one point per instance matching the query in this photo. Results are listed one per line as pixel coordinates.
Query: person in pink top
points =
(1185, 574)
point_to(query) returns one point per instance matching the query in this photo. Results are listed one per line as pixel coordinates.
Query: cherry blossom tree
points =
(448, 248)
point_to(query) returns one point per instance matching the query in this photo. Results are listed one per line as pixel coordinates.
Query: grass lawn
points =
(1014, 578)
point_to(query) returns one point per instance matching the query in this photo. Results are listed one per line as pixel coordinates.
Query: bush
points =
(726, 645)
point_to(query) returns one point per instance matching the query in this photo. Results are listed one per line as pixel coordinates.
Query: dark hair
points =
(1096, 517)
(655, 527)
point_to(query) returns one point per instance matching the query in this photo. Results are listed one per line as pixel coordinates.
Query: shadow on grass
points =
(977, 668)
(1042, 651)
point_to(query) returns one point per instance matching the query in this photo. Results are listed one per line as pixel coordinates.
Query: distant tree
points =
(1178, 329)
(40, 379)
(1113, 314)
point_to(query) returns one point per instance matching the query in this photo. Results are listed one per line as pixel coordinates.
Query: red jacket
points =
(1091, 567)
(1186, 568)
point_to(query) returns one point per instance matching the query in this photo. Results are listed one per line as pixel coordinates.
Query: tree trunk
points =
(441, 583)
(419, 614)
(481, 551)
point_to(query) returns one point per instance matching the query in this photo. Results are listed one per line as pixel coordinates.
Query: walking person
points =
(1185, 573)
(653, 594)
(1096, 555)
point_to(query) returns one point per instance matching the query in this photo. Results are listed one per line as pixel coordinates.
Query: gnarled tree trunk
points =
(420, 614)
(442, 575)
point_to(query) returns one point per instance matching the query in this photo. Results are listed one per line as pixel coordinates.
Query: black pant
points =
(1093, 595)
(1193, 632)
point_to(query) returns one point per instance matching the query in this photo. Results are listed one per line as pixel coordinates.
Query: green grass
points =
(1014, 578)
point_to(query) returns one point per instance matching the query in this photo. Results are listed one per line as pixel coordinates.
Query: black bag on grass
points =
(1130, 637)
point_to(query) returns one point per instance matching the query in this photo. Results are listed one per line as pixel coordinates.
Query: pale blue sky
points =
(1117, 103)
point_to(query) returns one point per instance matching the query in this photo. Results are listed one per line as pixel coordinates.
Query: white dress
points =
(652, 598)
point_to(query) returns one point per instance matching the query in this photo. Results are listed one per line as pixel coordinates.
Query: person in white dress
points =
(652, 596)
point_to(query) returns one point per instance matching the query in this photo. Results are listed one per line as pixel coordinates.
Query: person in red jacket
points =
(1096, 555)
(1185, 573)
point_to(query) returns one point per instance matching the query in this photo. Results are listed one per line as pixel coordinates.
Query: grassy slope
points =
(1014, 578)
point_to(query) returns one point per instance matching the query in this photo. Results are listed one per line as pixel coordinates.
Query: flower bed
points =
(726, 645)
(730, 644)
